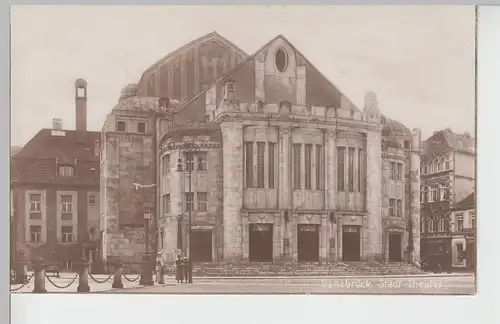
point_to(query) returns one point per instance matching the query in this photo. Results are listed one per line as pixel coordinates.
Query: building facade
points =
(284, 166)
(55, 192)
(463, 233)
(447, 177)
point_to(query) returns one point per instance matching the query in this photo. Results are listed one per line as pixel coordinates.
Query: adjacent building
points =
(447, 177)
(463, 232)
(55, 191)
(284, 165)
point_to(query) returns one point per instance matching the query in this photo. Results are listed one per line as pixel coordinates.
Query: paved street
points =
(455, 284)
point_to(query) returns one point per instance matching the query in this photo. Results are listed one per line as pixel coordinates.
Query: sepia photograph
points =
(243, 150)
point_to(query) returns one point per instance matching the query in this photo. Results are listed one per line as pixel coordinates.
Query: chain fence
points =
(24, 284)
(100, 281)
(62, 287)
(131, 280)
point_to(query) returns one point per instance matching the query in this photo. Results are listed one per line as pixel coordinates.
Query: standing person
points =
(56, 269)
(179, 271)
(159, 268)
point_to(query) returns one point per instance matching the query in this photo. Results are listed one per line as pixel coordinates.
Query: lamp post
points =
(147, 218)
(190, 149)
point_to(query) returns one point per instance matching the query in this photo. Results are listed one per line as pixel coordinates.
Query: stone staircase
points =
(283, 269)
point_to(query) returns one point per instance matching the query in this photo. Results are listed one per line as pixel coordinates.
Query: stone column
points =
(284, 168)
(294, 236)
(415, 193)
(372, 246)
(331, 188)
(277, 237)
(323, 237)
(246, 237)
(232, 133)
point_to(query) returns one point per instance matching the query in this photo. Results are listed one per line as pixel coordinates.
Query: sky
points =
(419, 60)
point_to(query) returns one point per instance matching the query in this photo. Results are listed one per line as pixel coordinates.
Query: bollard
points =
(21, 271)
(146, 270)
(39, 269)
(117, 279)
(83, 276)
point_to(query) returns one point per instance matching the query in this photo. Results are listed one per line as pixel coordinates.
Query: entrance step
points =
(240, 269)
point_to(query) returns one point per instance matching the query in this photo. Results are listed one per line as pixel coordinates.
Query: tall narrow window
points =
(189, 161)
(189, 201)
(141, 128)
(66, 207)
(447, 162)
(392, 206)
(202, 161)
(297, 166)
(249, 165)
(166, 164)
(340, 168)
(121, 126)
(271, 149)
(351, 169)
(319, 166)
(399, 209)
(35, 233)
(472, 219)
(460, 223)
(360, 170)
(422, 226)
(308, 166)
(399, 172)
(261, 147)
(166, 203)
(202, 202)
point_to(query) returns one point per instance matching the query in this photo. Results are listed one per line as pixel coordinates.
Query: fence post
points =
(83, 277)
(21, 273)
(147, 270)
(117, 279)
(39, 269)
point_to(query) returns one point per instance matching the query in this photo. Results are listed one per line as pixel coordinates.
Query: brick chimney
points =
(81, 104)
(57, 124)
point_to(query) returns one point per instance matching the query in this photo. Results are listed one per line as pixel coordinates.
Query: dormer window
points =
(121, 126)
(66, 171)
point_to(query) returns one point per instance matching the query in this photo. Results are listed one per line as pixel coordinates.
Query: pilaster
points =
(277, 237)
(372, 245)
(415, 194)
(323, 237)
(232, 133)
(293, 237)
(284, 168)
(331, 176)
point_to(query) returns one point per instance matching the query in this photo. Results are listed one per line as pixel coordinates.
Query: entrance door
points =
(395, 247)
(351, 238)
(308, 242)
(202, 246)
(261, 243)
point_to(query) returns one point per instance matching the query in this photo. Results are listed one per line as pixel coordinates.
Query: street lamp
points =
(190, 149)
(147, 218)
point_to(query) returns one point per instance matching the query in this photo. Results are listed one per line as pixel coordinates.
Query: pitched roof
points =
(73, 145)
(468, 202)
(253, 56)
(212, 35)
(447, 140)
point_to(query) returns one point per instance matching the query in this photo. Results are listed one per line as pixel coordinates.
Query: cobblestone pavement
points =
(418, 284)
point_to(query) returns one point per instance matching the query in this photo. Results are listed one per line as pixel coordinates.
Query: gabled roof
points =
(207, 37)
(467, 203)
(446, 140)
(253, 56)
(73, 145)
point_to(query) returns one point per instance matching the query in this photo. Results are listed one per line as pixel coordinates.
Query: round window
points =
(281, 60)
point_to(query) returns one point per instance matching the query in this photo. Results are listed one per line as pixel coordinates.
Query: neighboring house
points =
(55, 191)
(286, 167)
(447, 176)
(463, 232)
(15, 149)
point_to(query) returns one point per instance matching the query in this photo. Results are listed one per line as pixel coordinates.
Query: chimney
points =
(81, 105)
(57, 124)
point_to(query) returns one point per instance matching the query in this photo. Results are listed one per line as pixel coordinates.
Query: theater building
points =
(284, 166)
